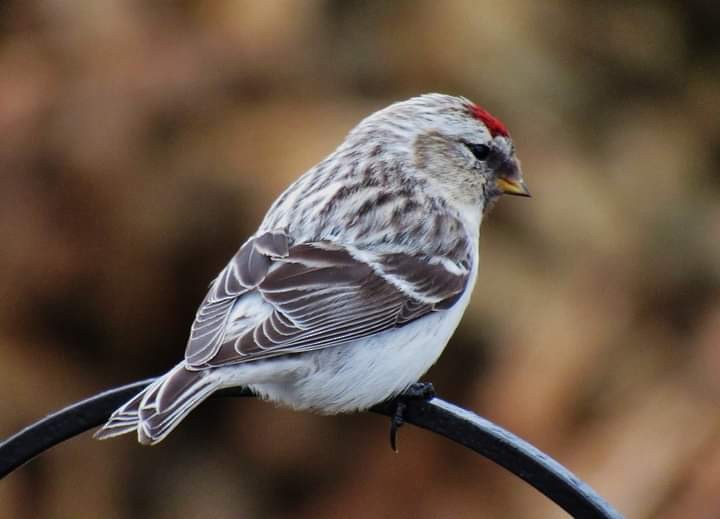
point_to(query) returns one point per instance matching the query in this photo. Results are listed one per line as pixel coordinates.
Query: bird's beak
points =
(511, 182)
(512, 186)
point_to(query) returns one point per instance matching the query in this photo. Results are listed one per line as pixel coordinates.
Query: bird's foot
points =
(417, 391)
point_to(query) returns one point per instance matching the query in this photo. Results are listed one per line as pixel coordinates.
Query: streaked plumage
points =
(356, 278)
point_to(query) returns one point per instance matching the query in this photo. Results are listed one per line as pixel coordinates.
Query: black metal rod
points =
(436, 415)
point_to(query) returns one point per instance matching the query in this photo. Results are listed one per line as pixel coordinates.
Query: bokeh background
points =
(141, 142)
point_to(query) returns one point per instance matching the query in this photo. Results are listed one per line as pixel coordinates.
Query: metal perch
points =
(436, 415)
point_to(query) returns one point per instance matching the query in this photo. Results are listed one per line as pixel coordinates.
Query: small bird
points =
(357, 276)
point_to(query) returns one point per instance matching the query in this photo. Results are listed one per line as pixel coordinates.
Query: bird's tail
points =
(161, 406)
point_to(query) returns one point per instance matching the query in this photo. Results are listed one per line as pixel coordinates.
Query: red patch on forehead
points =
(493, 124)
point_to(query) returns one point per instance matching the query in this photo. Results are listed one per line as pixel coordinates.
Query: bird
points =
(357, 277)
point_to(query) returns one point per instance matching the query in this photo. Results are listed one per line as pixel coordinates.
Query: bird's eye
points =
(481, 151)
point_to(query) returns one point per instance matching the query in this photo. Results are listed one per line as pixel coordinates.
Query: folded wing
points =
(319, 295)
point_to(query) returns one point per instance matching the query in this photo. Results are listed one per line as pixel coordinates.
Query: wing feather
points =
(319, 295)
(247, 268)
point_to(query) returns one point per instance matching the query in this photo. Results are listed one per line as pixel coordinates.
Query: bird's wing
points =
(316, 295)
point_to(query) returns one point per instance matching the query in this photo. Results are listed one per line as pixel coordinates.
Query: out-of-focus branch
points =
(436, 415)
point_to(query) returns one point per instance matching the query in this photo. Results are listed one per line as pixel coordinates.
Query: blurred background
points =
(143, 141)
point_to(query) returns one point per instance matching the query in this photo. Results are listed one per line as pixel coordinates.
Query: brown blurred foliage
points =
(142, 142)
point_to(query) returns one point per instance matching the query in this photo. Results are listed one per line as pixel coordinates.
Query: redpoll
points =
(357, 276)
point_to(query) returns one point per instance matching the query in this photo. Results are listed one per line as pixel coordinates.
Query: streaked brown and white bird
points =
(356, 278)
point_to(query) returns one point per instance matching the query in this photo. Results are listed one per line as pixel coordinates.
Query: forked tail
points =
(160, 407)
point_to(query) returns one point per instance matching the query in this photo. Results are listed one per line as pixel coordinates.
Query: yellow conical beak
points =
(512, 186)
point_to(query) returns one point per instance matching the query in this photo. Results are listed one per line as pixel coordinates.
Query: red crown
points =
(494, 125)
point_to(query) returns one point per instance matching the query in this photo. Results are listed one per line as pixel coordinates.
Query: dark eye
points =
(481, 151)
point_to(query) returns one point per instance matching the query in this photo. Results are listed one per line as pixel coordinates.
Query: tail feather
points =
(160, 407)
(123, 420)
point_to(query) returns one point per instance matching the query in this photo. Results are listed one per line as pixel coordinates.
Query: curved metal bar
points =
(509, 451)
(436, 415)
(62, 425)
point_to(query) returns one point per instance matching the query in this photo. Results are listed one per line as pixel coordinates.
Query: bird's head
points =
(458, 147)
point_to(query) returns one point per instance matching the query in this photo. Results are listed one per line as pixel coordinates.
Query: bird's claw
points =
(417, 391)
(395, 423)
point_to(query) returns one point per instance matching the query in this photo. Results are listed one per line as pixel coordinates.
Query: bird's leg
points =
(417, 391)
